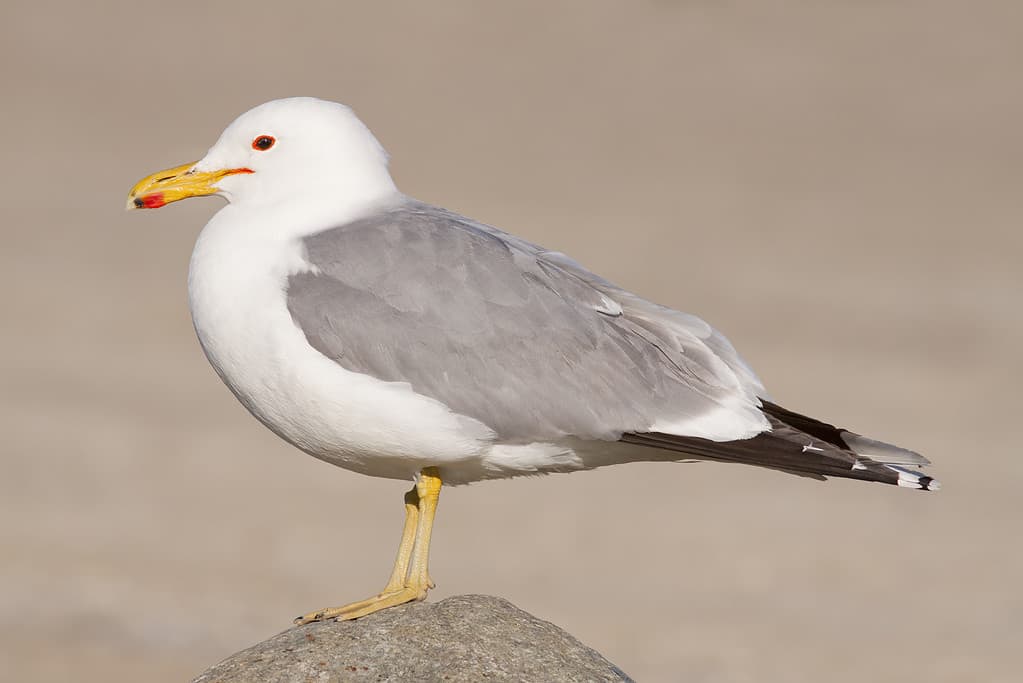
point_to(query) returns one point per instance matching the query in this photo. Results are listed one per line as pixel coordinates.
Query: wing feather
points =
(523, 339)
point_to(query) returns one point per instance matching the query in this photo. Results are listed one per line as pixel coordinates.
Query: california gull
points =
(398, 339)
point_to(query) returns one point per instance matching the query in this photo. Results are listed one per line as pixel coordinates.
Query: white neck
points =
(277, 221)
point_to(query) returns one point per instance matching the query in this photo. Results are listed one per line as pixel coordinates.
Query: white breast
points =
(236, 286)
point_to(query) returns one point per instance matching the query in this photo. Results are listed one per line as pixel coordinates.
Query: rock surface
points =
(463, 638)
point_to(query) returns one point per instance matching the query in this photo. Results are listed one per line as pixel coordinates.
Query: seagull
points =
(398, 339)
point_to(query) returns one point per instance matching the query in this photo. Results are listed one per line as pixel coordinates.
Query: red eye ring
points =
(263, 143)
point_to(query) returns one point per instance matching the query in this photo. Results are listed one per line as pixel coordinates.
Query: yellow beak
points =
(181, 182)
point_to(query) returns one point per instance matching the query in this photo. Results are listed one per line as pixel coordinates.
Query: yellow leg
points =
(410, 578)
(408, 540)
(428, 488)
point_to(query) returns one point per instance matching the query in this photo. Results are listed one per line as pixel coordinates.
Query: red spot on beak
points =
(151, 201)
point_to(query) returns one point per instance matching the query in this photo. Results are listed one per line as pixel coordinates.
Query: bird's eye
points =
(263, 143)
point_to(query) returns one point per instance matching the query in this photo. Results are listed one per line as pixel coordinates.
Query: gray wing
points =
(524, 340)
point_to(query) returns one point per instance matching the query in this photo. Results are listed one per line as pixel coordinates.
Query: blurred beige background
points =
(835, 185)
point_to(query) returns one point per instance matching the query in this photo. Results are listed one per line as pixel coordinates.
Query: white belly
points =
(239, 308)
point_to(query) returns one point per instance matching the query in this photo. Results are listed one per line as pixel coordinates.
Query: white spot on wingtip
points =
(914, 480)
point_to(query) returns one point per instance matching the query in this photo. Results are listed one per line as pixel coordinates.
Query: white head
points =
(299, 149)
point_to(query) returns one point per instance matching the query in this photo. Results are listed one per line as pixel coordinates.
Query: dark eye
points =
(263, 143)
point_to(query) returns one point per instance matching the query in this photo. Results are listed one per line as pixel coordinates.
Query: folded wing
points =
(521, 339)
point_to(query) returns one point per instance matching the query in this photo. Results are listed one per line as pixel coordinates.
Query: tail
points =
(801, 445)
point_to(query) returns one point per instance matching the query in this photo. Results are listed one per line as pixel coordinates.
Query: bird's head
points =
(284, 150)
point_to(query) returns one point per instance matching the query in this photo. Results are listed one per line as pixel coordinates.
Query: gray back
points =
(522, 339)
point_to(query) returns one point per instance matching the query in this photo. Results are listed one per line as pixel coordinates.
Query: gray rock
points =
(464, 638)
